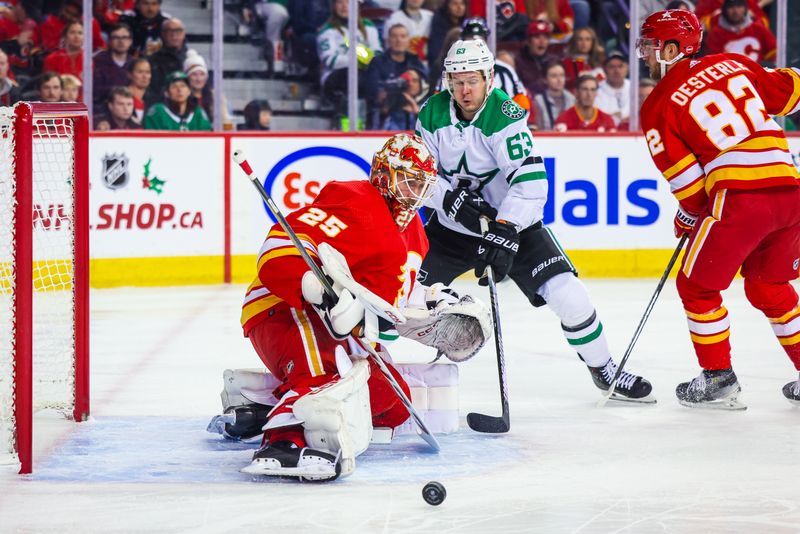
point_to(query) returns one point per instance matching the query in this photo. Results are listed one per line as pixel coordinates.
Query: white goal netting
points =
(53, 299)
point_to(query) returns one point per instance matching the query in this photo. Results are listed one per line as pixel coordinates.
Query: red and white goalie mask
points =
(404, 172)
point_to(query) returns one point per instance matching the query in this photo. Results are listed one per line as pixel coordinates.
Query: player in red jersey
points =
(709, 129)
(329, 403)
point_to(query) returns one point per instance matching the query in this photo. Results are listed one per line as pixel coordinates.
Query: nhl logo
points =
(115, 171)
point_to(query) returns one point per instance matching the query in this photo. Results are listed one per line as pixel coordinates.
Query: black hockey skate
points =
(286, 459)
(629, 388)
(240, 422)
(711, 389)
(792, 392)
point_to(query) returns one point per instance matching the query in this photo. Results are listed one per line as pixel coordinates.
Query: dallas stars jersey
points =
(492, 154)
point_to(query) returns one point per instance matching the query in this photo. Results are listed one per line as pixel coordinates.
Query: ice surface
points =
(145, 464)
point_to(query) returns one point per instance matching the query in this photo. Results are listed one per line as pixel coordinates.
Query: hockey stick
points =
(478, 421)
(672, 260)
(238, 157)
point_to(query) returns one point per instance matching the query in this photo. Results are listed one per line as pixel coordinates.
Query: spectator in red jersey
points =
(23, 54)
(707, 9)
(139, 74)
(558, 13)
(69, 59)
(9, 92)
(584, 116)
(531, 59)
(70, 88)
(120, 112)
(49, 87)
(12, 21)
(450, 15)
(108, 12)
(735, 29)
(52, 27)
(111, 66)
(584, 56)
(145, 21)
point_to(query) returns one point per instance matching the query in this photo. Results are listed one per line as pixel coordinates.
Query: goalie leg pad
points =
(336, 417)
(247, 386)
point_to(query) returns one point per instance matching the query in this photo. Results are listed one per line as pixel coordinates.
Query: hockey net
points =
(43, 270)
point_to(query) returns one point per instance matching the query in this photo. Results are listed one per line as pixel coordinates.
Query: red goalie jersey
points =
(354, 219)
(708, 126)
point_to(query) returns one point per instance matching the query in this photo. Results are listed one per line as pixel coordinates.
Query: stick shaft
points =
(646, 314)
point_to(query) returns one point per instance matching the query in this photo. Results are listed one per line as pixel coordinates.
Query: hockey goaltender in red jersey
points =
(709, 129)
(329, 395)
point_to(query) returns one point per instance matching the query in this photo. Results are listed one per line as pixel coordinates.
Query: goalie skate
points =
(714, 390)
(285, 459)
(792, 392)
(240, 422)
(629, 387)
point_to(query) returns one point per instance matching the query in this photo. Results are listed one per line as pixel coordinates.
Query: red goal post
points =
(44, 269)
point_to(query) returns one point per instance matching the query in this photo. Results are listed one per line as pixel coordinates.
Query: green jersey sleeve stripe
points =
(528, 176)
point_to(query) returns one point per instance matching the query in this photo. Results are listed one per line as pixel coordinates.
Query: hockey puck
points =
(434, 493)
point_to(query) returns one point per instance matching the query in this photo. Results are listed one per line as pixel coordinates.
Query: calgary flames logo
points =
(410, 153)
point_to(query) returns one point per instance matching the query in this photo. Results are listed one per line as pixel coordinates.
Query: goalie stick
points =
(392, 315)
(672, 260)
(478, 421)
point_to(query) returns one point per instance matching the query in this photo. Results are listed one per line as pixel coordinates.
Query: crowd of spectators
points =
(144, 75)
(563, 60)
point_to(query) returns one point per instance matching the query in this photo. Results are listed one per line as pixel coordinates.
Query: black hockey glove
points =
(497, 248)
(466, 207)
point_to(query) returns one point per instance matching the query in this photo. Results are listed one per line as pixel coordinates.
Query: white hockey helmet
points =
(404, 172)
(469, 56)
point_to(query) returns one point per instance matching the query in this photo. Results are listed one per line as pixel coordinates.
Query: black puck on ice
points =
(434, 493)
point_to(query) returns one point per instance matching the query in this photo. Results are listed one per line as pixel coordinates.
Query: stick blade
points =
(488, 424)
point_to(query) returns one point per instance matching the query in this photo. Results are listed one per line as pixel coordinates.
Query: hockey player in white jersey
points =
(487, 168)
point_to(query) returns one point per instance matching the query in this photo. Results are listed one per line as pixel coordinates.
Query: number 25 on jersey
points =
(330, 225)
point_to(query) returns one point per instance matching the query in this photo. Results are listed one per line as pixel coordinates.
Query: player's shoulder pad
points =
(499, 113)
(435, 112)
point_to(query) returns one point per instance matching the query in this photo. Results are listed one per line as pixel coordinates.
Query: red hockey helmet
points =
(677, 25)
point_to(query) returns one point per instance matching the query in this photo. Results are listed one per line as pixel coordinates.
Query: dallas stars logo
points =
(461, 176)
(511, 110)
(154, 183)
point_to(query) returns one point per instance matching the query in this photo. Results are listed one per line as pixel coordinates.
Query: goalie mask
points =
(404, 172)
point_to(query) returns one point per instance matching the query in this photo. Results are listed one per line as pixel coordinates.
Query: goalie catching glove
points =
(456, 326)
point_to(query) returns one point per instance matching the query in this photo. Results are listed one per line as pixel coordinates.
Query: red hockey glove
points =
(684, 222)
